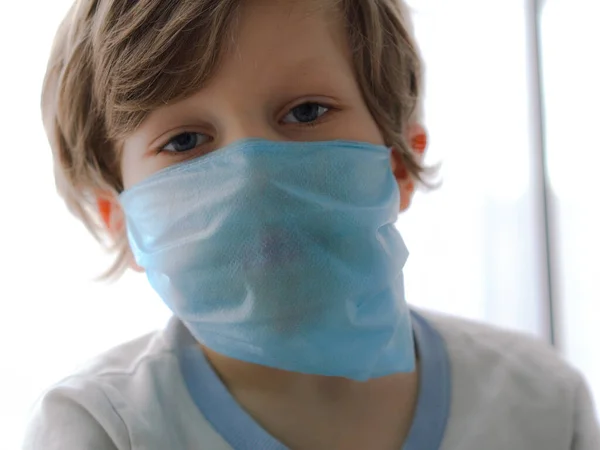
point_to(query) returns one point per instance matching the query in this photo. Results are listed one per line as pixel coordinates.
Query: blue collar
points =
(242, 433)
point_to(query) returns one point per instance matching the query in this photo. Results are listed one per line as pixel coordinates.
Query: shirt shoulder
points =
(477, 345)
(81, 411)
(130, 397)
(513, 388)
(75, 414)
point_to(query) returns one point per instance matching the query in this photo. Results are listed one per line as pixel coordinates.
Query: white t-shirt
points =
(480, 389)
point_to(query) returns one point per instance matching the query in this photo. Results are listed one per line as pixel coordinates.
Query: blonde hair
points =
(114, 61)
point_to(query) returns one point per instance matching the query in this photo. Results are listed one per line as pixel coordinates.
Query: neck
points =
(377, 410)
(244, 379)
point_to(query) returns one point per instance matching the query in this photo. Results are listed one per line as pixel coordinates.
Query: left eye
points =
(305, 113)
(184, 142)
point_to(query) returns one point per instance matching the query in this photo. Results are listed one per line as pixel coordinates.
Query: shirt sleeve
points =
(76, 415)
(586, 434)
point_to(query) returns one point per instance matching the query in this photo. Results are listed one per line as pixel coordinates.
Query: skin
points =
(287, 53)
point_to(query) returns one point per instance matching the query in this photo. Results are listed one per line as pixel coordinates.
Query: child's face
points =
(289, 76)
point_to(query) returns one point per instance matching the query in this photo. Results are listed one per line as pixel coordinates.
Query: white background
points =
(477, 244)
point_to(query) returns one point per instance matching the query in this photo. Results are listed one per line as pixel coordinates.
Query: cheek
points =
(137, 162)
(135, 167)
(131, 172)
(359, 125)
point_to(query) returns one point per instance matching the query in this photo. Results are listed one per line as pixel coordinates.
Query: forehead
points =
(292, 36)
(260, 19)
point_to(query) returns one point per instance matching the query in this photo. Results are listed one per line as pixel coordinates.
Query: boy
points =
(251, 157)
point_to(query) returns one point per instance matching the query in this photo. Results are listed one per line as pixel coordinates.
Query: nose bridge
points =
(242, 123)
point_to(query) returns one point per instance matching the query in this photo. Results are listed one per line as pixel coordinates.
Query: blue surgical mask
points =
(282, 254)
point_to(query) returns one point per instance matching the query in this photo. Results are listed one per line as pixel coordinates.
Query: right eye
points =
(184, 142)
(306, 114)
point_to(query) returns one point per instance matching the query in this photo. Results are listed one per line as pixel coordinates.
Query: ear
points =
(113, 219)
(416, 136)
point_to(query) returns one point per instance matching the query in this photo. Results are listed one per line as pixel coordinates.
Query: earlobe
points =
(406, 194)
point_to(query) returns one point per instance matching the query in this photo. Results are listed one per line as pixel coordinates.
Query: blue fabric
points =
(219, 407)
(433, 405)
(283, 254)
(241, 432)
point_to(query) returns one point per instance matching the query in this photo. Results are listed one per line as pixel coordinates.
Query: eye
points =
(184, 142)
(305, 113)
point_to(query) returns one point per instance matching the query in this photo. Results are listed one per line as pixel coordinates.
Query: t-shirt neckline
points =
(240, 430)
